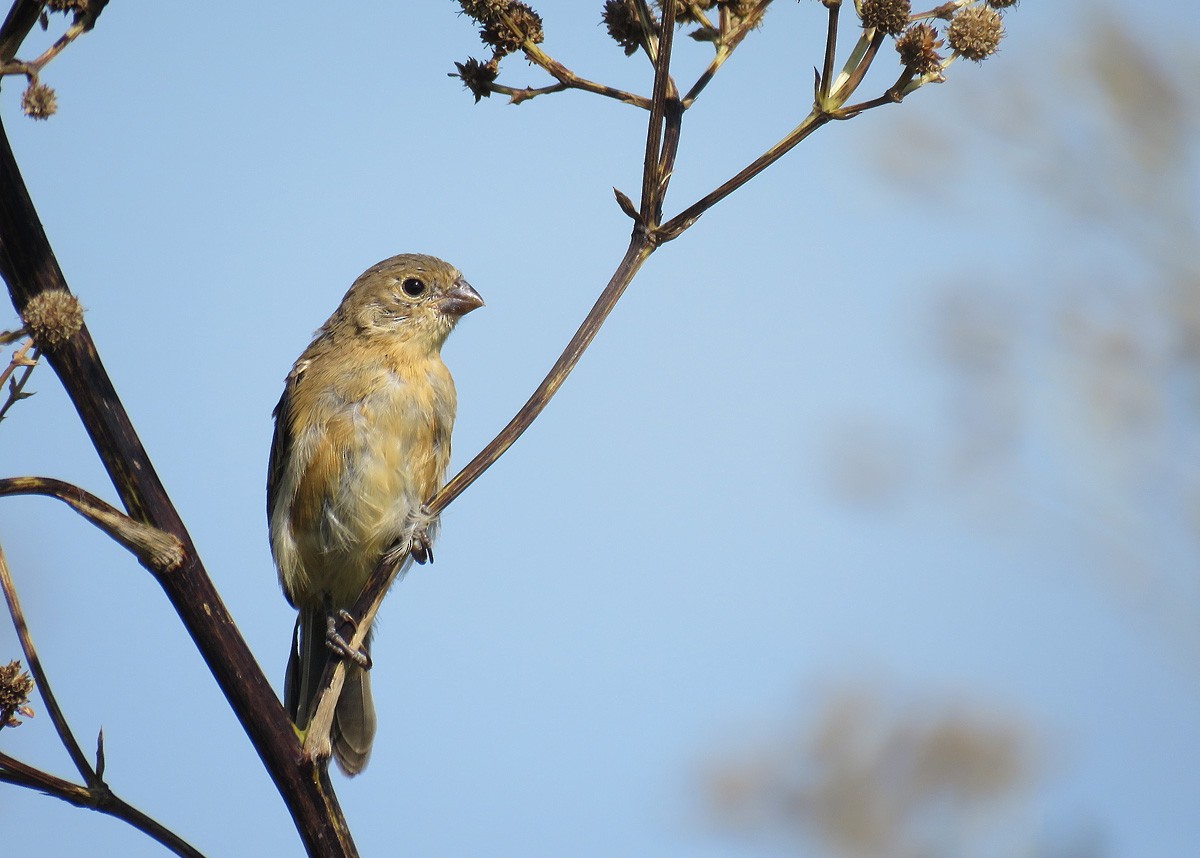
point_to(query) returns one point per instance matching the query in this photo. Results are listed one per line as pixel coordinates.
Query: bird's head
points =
(411, 297)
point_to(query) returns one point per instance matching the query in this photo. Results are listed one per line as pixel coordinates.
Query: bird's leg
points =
(337, 642)
(420, 529)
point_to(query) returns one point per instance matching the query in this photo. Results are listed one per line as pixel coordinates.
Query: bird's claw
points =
(420, 548)
(340, 646)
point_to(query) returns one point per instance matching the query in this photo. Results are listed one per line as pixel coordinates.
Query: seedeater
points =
(362, 440)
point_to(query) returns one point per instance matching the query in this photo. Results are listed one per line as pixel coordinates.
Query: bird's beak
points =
(460, 299)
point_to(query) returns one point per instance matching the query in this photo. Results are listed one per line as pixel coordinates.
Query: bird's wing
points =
(281, 441)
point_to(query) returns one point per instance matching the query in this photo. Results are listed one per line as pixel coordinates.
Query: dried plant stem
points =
(849, 83)
(39, 676)
(96, 793)
(17, 389)
(20, 21)
(729, 40)
(569, 80)
(675, 226)
(639, 250)
(830, 51)
(156, 549)
(316, 741)
(662, 140)
(659, 151)
(29, 267)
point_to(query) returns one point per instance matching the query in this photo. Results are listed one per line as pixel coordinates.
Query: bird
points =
(361, 442)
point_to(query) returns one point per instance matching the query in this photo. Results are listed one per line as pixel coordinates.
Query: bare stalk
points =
(96, 793)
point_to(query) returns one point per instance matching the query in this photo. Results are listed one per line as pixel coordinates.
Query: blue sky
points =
(663, 569)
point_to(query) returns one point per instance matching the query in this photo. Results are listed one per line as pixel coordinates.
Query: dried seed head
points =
(79, 7)
(918, 49)
(623, 25)
(889, 16)
(745, 10)
(1002, 4)
(52, 317)
(686, 13)
(483, 11)
(39, 101)
(477, 76)
(507, 32)
(975, 32)
(15, 688)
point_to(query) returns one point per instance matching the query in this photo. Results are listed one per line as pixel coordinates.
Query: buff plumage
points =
(362, 440)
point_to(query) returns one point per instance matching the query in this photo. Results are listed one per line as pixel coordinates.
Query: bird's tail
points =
(353, 728)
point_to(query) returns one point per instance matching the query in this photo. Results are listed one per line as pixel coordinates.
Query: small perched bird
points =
(362, 440)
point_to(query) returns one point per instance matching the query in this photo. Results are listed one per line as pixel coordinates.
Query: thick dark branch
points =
(28, 265)
(21, 18)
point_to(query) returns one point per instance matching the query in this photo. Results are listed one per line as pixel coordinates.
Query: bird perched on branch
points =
(362, 440)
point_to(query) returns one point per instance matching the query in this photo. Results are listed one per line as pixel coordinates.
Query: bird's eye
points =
(413, 287)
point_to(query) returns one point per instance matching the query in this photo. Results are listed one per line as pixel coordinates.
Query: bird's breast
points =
(377, 449)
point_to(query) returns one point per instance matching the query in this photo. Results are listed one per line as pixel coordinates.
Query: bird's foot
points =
(340, 646)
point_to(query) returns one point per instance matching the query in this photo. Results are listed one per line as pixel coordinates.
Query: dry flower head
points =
(52, 317)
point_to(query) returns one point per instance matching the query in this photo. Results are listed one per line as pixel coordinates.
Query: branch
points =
(28, 265)
(675, 226)
(653, 180)
(157, 550)
(17, 386)
(96, 794)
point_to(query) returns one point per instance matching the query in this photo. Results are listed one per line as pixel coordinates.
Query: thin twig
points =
(847, 86)
(830, 50)
(13, 771)
(675, 226)
(569, 79)
(157, 549)
(652, 177)
(634, 257)
(39, 677)
(16, 389)
(731, 37)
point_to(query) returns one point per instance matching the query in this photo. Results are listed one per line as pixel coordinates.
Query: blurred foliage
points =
(1073, 377)
(1073, 349)
(870, 779)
